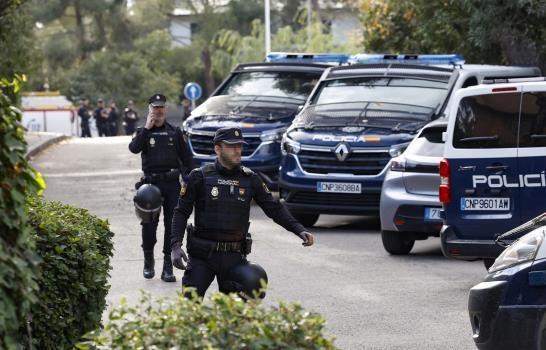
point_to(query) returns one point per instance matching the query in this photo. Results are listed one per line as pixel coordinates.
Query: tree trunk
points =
(80, 30)
(209, 78)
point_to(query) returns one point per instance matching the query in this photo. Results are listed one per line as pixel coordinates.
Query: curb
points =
(35, 150)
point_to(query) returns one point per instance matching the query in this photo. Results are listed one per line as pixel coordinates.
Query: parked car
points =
(492, 174)
(409, 206)
(508, 309)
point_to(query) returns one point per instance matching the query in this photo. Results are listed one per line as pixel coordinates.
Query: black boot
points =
(149, 263)
(167, 274)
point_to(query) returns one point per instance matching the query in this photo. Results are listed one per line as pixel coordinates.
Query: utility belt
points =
(152, 178)
(203, 248)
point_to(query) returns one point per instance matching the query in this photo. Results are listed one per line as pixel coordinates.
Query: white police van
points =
(493, 172)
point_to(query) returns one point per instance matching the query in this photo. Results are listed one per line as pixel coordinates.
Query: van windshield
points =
(281, 84)
(242, 106)
(422, 92)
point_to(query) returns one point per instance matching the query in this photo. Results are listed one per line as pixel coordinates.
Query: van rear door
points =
(483, 164)
(532, 151)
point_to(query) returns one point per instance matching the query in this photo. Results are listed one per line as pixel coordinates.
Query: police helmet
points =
(148, 202)
(245, 280)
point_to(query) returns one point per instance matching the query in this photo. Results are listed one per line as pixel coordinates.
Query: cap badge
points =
(157, 97)
(236, 132)
(214, 191)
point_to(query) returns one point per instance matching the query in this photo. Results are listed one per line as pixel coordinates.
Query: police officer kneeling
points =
(164, 158)
(222, 193)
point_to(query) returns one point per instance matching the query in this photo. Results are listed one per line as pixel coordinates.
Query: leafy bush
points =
(224, 322)
(75, 248)
(17, 261)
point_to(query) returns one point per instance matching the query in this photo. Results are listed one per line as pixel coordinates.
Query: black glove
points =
(178, 257)
(307, 238)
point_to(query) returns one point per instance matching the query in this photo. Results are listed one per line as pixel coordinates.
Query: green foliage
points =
(224, 322)
(75, 249)
(19, 54)
(516, 27)
(17, 261)
(493, 32)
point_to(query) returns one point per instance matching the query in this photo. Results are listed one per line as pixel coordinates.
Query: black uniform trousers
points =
(200, 272)
(103, 129)
(170, 190)
(130, 128)
(86, 132)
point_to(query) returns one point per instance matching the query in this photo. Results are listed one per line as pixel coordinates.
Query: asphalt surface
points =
(369, 299)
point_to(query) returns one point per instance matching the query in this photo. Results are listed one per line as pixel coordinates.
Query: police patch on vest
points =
(152, 141)
(265, 187)
(183, 189)
(214, 191)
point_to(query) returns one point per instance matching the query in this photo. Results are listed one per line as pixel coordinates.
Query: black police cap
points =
(157, 100)
(231, 136)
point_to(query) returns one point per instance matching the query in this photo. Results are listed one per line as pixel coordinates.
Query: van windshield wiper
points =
(505, 239)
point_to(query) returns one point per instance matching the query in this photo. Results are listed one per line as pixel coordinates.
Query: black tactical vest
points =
(222, 213)
(160, 153)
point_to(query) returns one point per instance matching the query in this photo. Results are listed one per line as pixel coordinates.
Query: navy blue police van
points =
(262, 99)
(493, 171)
(508, 308)
(359, 117)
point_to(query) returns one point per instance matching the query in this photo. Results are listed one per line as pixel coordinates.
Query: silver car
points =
(410, 207)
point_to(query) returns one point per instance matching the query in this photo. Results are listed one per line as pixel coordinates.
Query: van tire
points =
(397, 243)
(307, 220)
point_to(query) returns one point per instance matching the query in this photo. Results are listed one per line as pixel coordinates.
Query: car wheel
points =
(307, 220)
(488, 263)
(396, 243)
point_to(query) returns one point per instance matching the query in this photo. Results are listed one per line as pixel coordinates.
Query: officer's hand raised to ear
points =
(307, 238)
(177, 255)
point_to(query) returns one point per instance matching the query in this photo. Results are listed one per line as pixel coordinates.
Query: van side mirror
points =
(444, 136)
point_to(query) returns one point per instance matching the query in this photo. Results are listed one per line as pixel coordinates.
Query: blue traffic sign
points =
(193, 91)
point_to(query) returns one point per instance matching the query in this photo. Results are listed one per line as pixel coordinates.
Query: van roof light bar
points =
(331, 58)
(453, 59)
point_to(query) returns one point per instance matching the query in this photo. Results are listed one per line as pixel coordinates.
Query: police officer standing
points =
(164, 159)
(101, 118)
(222, 193)
(130, 118)
(85, 115)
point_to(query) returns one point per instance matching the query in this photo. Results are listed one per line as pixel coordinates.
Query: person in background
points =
(130, 118)
(101, 118)
(85, 114)
(113, 116)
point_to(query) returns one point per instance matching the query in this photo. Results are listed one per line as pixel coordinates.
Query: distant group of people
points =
(106, 119)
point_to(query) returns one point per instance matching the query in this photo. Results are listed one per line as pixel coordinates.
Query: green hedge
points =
(17, 260)
(224, 322)
(75, 248)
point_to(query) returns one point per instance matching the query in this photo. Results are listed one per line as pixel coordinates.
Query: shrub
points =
(17, 261)
(224, 322)
(75, 248)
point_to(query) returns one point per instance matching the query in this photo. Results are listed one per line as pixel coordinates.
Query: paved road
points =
(370, 300)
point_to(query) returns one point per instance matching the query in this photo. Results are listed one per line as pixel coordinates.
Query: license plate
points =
(483, 203)
(339, 187)
(432, 214)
